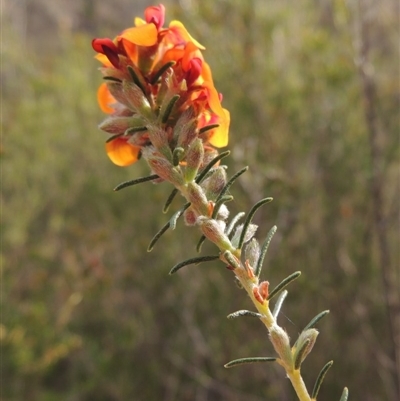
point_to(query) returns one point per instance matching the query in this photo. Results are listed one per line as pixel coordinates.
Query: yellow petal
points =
(103, 59)
(143, 35)
(139, 21)
(220, 136)
(179, 28)
(121, 152)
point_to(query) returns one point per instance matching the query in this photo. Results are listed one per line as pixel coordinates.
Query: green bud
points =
(303, 346)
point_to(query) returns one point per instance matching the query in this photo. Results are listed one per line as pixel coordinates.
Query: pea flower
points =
(156, 77)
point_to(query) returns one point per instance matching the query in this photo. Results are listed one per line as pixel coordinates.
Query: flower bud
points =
(280, 341)
(303, 346)
(136, 100)
(213, 231)
(194, 159)
(185, 130)
(119, 125)
(162, 167)
(159, 139)
(190, 217)
(214, 184)
(196, 197)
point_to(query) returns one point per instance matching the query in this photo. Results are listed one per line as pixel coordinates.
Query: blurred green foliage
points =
(87, 314)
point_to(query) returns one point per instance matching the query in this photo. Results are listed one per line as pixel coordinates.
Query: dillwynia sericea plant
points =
(163, 107)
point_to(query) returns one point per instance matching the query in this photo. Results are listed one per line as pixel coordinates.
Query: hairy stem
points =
(250, 282)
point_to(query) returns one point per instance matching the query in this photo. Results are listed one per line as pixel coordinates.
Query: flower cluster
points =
(158, 91)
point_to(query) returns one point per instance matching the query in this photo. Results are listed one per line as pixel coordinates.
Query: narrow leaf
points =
(231, 259)
(208, 128)
(219, 203)
(200, 243)
(161, 71)
(316, 319)
(255, 359)
(133, 130)
(157, 236)
(279, 303)
(111, 138)
(283, 284)
(231, 181)
(250, 218)
(166, 226)
(169, 200)
(320, 379)
(196, 260)
(176, 216)
(233, 222)
(135, 181)
(244, 312)
(264, 249)
(345, 394)
(135, 78)
(168, 109)
(300, 353)
(210, 165)
(113, 79)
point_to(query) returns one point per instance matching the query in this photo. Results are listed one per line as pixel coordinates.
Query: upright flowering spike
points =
(162, 105)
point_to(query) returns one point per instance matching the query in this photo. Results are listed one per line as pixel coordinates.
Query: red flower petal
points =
(156, 15)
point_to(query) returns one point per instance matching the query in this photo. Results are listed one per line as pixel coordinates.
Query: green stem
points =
(269, 320)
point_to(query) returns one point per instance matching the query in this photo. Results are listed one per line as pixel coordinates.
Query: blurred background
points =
(89, 315)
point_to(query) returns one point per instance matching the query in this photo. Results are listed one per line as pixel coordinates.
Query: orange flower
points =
(160, 63)
(121, 152)
(105, 99)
